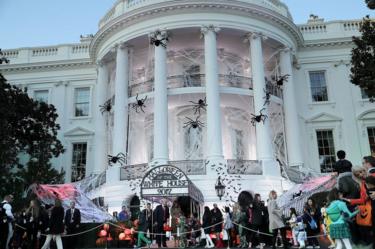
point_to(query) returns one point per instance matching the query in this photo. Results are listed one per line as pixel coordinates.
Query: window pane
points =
(79, 161)
(326, 149)
(41, 96)
(82, 101)
(318, 86)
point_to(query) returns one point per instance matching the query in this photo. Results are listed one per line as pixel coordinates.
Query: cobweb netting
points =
(77, 192)
(188, 141)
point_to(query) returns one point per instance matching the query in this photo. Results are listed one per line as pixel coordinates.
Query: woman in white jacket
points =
(276, 221)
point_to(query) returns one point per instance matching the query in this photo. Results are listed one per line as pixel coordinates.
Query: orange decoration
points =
(121, 236)
(103, 233)
(100, 242)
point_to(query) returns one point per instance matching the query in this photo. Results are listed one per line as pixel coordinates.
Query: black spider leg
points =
(266, 97)
(188, 123)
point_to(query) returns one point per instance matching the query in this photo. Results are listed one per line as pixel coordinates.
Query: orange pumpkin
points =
(121, 236)
(103, 233)
(128, 234)
(100, 242)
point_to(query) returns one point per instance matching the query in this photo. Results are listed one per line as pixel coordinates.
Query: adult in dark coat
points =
(33, 224)
(72, 223)
(217, 217)
(55, 225)
(150, 219)
(312, 216)
(161, 216)
(259, 213)
(206, 224)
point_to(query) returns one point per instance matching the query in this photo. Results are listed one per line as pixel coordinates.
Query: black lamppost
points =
(220, 188)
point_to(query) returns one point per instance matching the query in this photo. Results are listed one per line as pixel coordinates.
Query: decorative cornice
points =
(328, 43)
(161, 9)
(46, 65)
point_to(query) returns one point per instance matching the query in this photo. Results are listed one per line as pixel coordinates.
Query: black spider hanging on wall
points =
(106, 107)
(267, 97)
(279, 81)
(193, 123)
(159, 38)
(200, 104)
(258, 118)
(139, 104)
(119, 158)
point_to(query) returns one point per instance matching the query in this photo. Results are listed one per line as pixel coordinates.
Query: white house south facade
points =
(193, 84)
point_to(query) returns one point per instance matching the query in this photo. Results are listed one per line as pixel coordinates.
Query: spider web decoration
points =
(276, 119)
(140, 133)
(232, 183)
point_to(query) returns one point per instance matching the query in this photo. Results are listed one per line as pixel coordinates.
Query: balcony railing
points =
(192, 80)
(124, 6)
(194, 167)
(244, 167)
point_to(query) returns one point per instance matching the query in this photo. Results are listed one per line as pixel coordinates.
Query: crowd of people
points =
(24, 229)
(345, 217)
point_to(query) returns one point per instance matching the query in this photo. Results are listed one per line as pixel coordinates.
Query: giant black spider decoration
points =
(139, 104)
(280, 80)
(106, 107)
(200, 104)
(267, 97)
(258, 118)
(159, 38)
(193, 123)
(119, 158)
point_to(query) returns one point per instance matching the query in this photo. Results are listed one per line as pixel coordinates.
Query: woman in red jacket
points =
(359, 175)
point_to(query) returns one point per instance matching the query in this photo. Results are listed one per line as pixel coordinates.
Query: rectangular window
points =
(371, 139)
(79, 161)
(326, 148)
(318, 86)
(82, 102)
(41, 95)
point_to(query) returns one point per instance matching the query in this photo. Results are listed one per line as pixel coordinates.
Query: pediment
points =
(78, 131)
(323, 117)
(367, 115)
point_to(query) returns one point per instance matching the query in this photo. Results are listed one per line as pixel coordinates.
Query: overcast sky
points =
(28, 23)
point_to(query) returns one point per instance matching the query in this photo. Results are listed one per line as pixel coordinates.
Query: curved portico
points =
(173, 61)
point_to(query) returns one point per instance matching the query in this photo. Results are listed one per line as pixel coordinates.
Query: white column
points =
(214, 136)
(290, 109)
(100, 163)
(121, 100)
(161, 155)
(263, 131)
